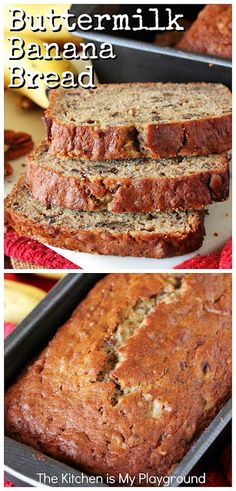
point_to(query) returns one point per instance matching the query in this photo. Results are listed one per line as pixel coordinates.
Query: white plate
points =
(218, 230)
(217, 222)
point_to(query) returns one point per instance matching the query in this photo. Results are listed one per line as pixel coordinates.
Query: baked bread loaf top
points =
(120, 121)
(171, 38)
(156, 235)
(133, 185)
(211, 33)
(135, 375)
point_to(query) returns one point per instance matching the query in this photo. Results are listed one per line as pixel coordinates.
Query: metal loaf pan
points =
(141, 61)
(22, 463)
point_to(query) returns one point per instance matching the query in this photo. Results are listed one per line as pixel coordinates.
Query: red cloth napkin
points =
(216, 260)
(8, 328)
(31, 251)
(31, 279)
(8, 484)
(221, 474)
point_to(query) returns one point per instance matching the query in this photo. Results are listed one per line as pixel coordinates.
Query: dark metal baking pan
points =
(140, 61)
(22, 463)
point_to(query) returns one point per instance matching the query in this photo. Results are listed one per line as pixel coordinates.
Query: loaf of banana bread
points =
(133, 185)
(158, 235)
(134, 376)
(211, 33)
(119, 121)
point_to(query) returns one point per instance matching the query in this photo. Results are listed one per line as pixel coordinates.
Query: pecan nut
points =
(18, 144)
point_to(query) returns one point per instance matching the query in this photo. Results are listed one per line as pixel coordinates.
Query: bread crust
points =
(108, 404)
(103, 241)
(211, 33)
(128, 194)
(211, 134)
(186, 138)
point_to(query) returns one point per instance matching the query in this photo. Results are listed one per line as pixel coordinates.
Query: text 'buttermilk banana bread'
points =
(211, 33)
(120, 121)
(161, 234)
(127, 186)
(133, 377)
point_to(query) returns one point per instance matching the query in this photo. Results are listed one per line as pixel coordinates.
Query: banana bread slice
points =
(132, 378)
(211, 33)
(133, 120)
(157, 235)
(128, 186)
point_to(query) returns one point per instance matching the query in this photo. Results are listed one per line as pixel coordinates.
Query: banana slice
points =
(39, 96)
(19, 300)
(52, 276)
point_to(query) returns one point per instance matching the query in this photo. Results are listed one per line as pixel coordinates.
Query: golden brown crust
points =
(211, 33)
(127, 384)
(128, 194)
(103, 241)
(201, 137)
(211, 134)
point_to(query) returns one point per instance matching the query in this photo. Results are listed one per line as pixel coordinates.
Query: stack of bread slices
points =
(126, 169)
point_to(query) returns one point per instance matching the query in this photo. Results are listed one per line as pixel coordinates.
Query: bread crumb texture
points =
(132, 185)
(133, 120)
(159, 234)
